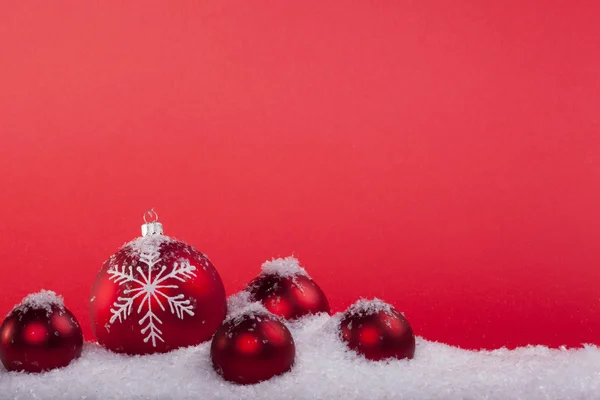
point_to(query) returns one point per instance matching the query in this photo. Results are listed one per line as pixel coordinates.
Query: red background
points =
(443, 156)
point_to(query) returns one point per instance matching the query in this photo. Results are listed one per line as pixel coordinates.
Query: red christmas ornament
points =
(156, 294)
(39, 334)
(252, 346)
(285, 289)
(377, 331)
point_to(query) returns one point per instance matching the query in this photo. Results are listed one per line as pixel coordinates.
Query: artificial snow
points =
(252, 311)
(367, 307)
(145, 244)
(44, 299)
(237, 302)
(288, 266)
(323, 369)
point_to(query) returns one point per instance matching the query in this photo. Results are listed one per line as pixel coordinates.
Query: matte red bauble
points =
(285, 289)
(39, 334)
(252, 347)
(156, 294)
(377, 331)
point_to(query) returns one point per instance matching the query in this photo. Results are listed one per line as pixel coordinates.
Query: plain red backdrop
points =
(443, 156)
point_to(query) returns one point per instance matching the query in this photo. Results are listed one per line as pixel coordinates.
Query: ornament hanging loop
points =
(151, 225)
(150, 216)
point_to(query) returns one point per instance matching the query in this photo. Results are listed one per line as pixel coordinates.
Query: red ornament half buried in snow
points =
(285, 289)
(40, 334)
(156, 294)
(252, 345)
(377, 331)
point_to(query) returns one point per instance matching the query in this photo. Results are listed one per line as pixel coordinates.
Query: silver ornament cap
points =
(151, 225)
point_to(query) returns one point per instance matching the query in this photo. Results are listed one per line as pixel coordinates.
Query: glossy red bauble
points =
(252, 347)
(285, 289)
(154, 295)
(377, 331)
(40, 334)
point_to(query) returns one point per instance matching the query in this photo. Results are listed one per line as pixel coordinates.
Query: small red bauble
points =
(377, 331)
(252, 346)
(39, 334)
(285, 289)
(156, 294)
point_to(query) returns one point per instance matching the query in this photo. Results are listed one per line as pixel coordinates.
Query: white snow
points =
(324, 369)
(145, 244)
(252, 311)
(365, 307)
(44, 299)
(236, 302)
(288, 266)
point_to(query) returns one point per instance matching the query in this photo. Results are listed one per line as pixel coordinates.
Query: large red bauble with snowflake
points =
(156, 294)
(377, 331)
(285, 289)
(252, 346)
(39, 334)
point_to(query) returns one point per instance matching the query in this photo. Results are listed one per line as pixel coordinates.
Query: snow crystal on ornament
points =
(146, 244)
(288, 266)
(44, 299)
(252, 311)
(365, 306)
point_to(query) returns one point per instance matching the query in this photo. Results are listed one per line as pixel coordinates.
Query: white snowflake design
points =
(151, 287)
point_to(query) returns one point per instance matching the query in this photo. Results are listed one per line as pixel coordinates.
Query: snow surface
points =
(237, 302)
(324, 369)
(44, 299)
(288, 266)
